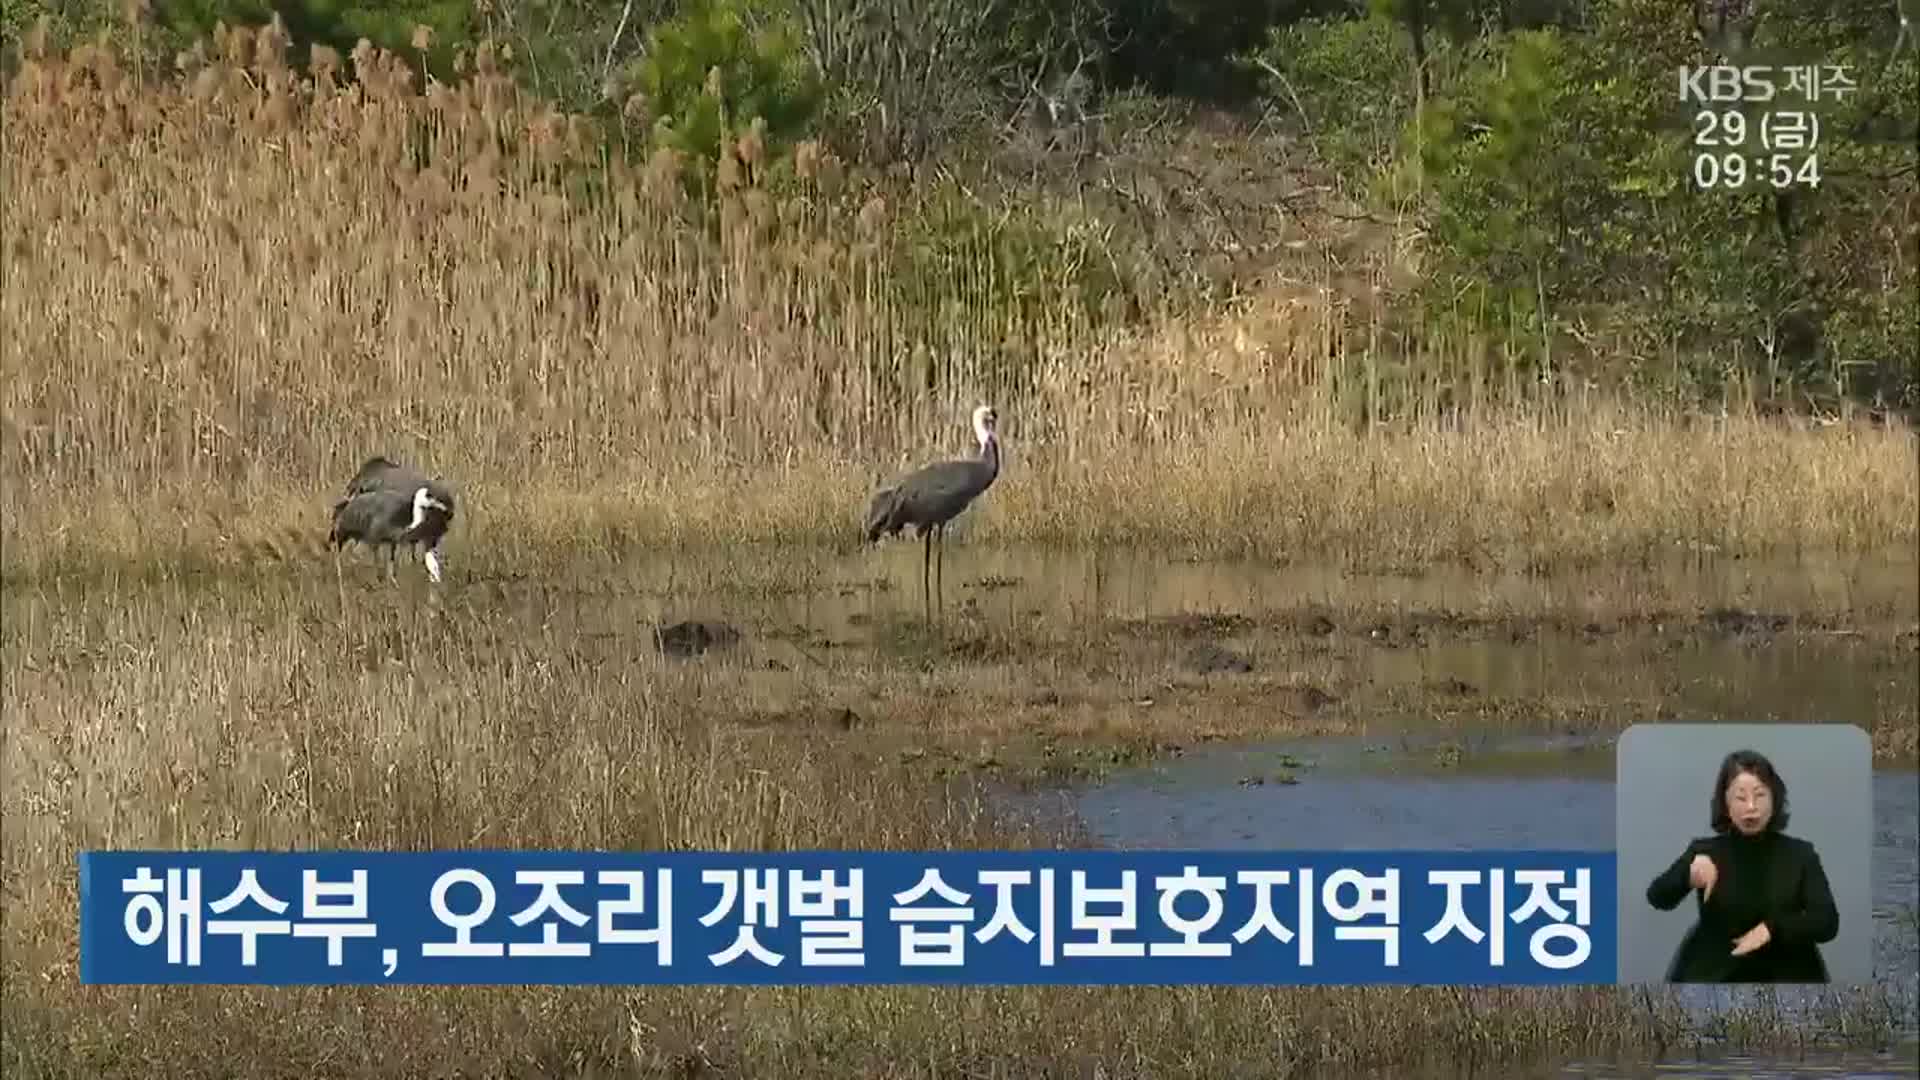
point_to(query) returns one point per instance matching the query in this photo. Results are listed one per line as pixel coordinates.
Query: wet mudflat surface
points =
(1062, 666)
(1150, 703)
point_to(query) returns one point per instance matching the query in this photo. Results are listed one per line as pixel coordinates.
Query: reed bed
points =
(229, 286)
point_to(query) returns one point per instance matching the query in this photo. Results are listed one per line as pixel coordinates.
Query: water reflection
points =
(838, 590)
(1396, 794)
(1015, 582)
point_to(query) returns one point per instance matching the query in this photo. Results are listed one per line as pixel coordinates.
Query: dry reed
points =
(227, 289)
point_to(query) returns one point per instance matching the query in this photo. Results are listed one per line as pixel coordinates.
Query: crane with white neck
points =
(933, 495)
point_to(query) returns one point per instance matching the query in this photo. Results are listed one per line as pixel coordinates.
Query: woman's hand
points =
(1753, 939)
(1702, 874)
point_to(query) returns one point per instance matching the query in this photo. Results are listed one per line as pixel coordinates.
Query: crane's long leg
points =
(940, 570)
(926, 566)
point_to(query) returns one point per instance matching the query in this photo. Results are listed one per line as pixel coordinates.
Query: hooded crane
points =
(387, 505)
(933, 495)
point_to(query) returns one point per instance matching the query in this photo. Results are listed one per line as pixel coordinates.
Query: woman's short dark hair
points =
(1748, 761)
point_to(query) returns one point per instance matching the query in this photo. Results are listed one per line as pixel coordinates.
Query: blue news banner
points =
(1525, 918)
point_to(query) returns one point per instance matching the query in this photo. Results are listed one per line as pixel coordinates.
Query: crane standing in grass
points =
(933, 495)
(387, 505)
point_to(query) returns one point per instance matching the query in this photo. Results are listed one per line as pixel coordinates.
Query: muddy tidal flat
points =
(798, 698)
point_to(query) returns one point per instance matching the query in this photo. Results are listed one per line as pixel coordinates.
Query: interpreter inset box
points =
(1745, 853)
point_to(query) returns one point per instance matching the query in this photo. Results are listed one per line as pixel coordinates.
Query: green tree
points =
(708, 75)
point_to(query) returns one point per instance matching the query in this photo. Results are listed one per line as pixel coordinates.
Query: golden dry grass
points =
(228, 289)
(225, 291)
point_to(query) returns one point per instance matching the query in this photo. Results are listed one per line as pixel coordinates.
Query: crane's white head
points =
(423, 500)
(985, 420)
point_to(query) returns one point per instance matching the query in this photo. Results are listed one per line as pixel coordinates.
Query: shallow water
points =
(807, 600)
(1897, 1064)
(839, 591)
(1390, 794)
(1504, 792)
(1144, 584)
(1501, 792)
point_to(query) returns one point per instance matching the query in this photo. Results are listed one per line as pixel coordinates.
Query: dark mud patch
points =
(1425, 627)
(805, 718)
(694, 638)
(1483, 754)
(1280, 769)
(1090, 761)
(1190, 625)
(1302, 699)
(1208, 658)
(1038, 764)
(917, 642)
(1731, 622)
(984, 649)
(1311, 622)
(1281, 777)
(1396, 636)
(1419, 628)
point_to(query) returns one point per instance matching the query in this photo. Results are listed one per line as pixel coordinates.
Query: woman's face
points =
(1749, 803)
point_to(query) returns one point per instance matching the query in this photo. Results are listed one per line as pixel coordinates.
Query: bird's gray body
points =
(382, 474)
(933, 495)
(380, 508)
